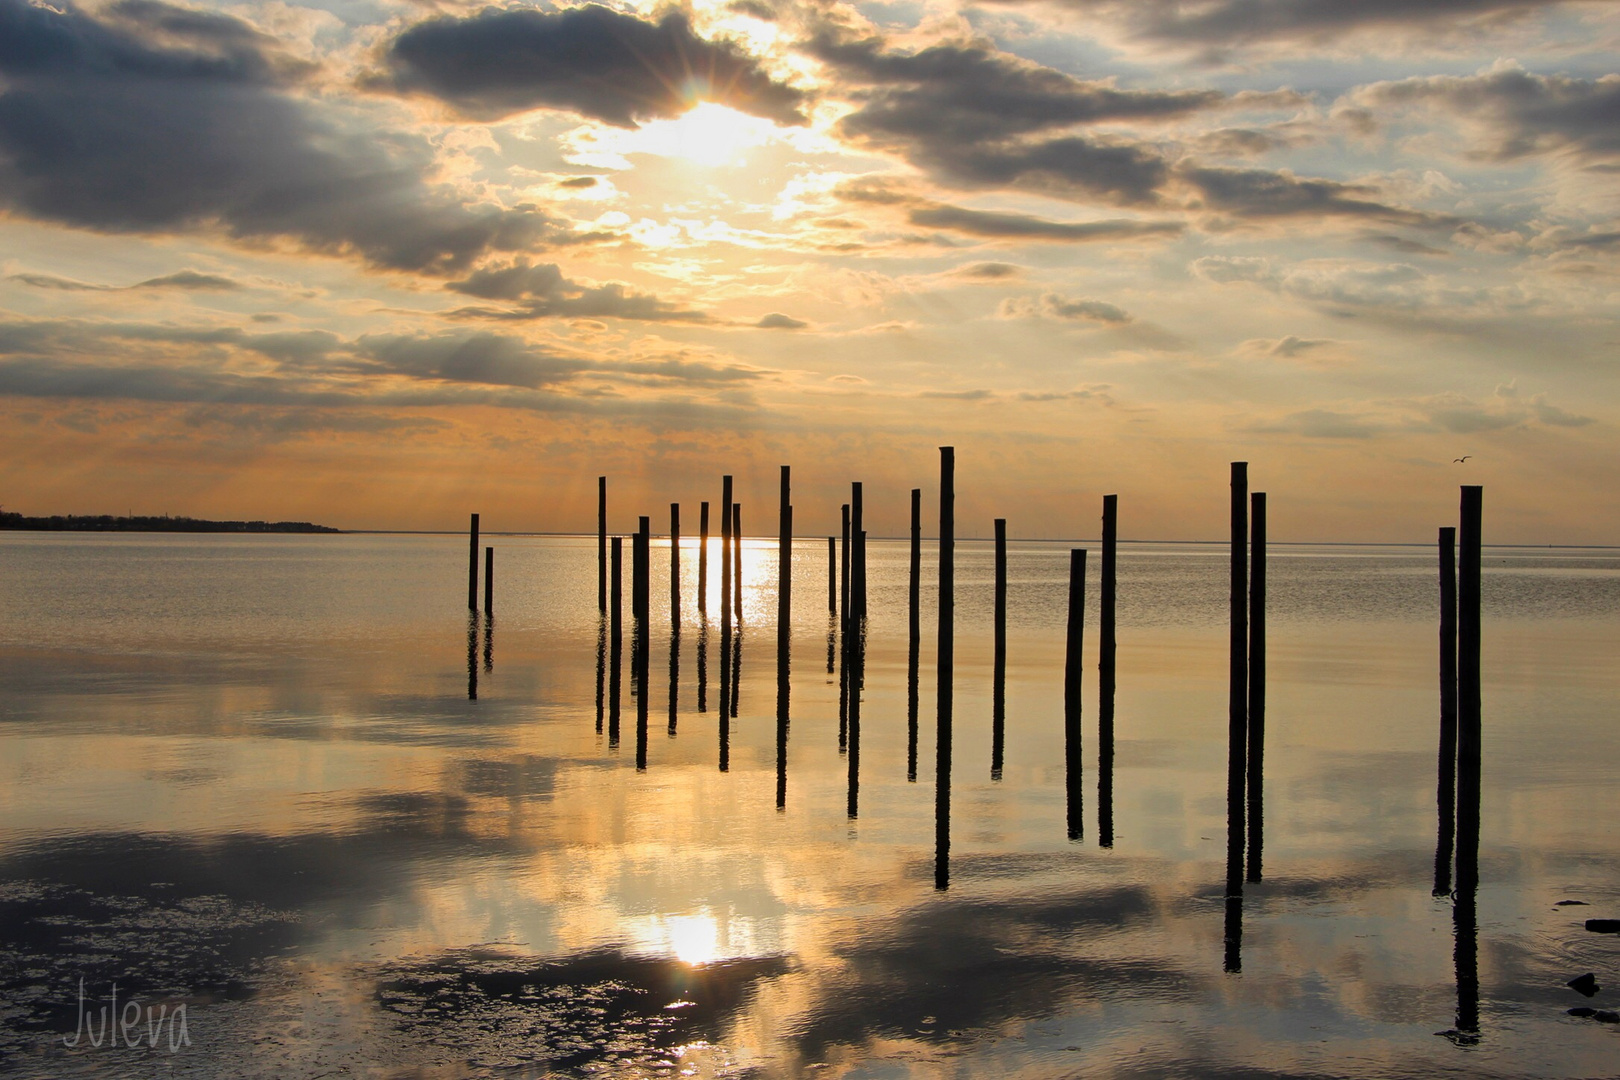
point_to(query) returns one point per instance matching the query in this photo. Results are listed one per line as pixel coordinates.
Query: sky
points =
(381, 263)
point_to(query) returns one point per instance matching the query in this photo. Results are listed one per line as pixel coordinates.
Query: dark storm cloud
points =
(151, 118)
(588, 60)
(1235, 22)
(541, 291)
(1260, 193)
(1522, 113)
(975, 117)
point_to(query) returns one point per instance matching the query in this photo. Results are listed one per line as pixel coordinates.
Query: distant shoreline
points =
(145, 523)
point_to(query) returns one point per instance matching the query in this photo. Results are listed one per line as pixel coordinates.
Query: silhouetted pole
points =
(832, 575)
(643, 648)
(945, 666)
(601, 670)
(617, 616)
(725, 602)
(675, 564)
(784, 560)
(489, 581)
(472, 656)
(1468, 689)
(998, 692)
(1074, 643)
(1257, 681)
(703, 558)
(601, 545)
(1446, 788)
(736, 563)
(1238, 697)
(783, 693)
(641, 562)
(843, 576)
(916, 634)
(1106, 649)
(1464, 913)
(857, 559)
(472, 566)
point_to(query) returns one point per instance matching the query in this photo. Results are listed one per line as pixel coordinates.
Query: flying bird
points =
(1460, 460)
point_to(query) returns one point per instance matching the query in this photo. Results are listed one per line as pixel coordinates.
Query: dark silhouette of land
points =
(148, 523)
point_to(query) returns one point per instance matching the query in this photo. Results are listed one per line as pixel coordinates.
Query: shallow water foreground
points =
(287, 785)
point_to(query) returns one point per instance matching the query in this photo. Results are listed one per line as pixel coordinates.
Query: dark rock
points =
(1602, 1016)
(1570, 903)
(1586, 985)
(1603, 926)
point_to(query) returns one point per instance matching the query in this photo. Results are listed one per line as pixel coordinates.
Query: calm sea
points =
(289, 784)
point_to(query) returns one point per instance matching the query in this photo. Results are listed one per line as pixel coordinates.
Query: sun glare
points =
(695, 939)
(708, 134)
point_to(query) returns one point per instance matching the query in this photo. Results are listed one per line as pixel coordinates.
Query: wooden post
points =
(703, 559)
(736, 563)
(472, 656)
(915, 650)
(601, 545)
(843, 573)
(489, 581)
(1237, 733)
(1468, 689)
(998, 690)
(1257, 681)
(616, 612)
(784, 561)
(642, 560)
(945, 666)
(725, 551)
(675, 563)
(1446, 788)
(857, 559)
(1107, 648)
(832, 575)
(1074, 643)
(472, 566)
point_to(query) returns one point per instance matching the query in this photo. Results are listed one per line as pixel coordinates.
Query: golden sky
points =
(379, 264)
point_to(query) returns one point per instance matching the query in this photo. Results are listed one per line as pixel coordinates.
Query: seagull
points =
(1460, 460)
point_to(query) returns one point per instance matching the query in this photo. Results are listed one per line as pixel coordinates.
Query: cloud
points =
(185, 280)
(152, 118)
(1289, 347)
(1506, 409)
(988, 271)
(1323, 424)
(489, 359)
(1514, 113)
(1210, 25)
(589, 60)
(1347, 284)
(1256, 194)
(975, 117)
(1057, 306)
(1000, 225)
(541, 291)
(777, 321)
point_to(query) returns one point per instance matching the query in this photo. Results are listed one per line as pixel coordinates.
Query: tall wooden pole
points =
(601, 545)
(1468, 689)
(1446, 786)
(1074, 643)
(832, 575)
(675, 563)
(998, 689)
(703, 558)
(915, 650)
(1257, 682)
(945, 666)
(736, 563)
(1238, 692)
(472, 566)
(1107, 647)
(489, 581)
(784, 560)
(616, 612)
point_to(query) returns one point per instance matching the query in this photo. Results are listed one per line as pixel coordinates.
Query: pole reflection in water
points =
(703, 664)
(832, 642)
(639, 672)
(736, 669)
(857, 658)
(1074, 771)
(601, 664)
(674, 674)
(472, 656)
(1232, 961)
(783, 663)
(616, 621)
(489, 643)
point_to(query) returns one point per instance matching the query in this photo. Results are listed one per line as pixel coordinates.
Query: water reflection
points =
(639, 671)
(601, 661)
(783, 693)
(674, 674)
(489, 643)
(856, 678)
(703, 664)
(472, 655)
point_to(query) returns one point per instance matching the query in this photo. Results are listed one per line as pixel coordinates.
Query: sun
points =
(708, 134)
